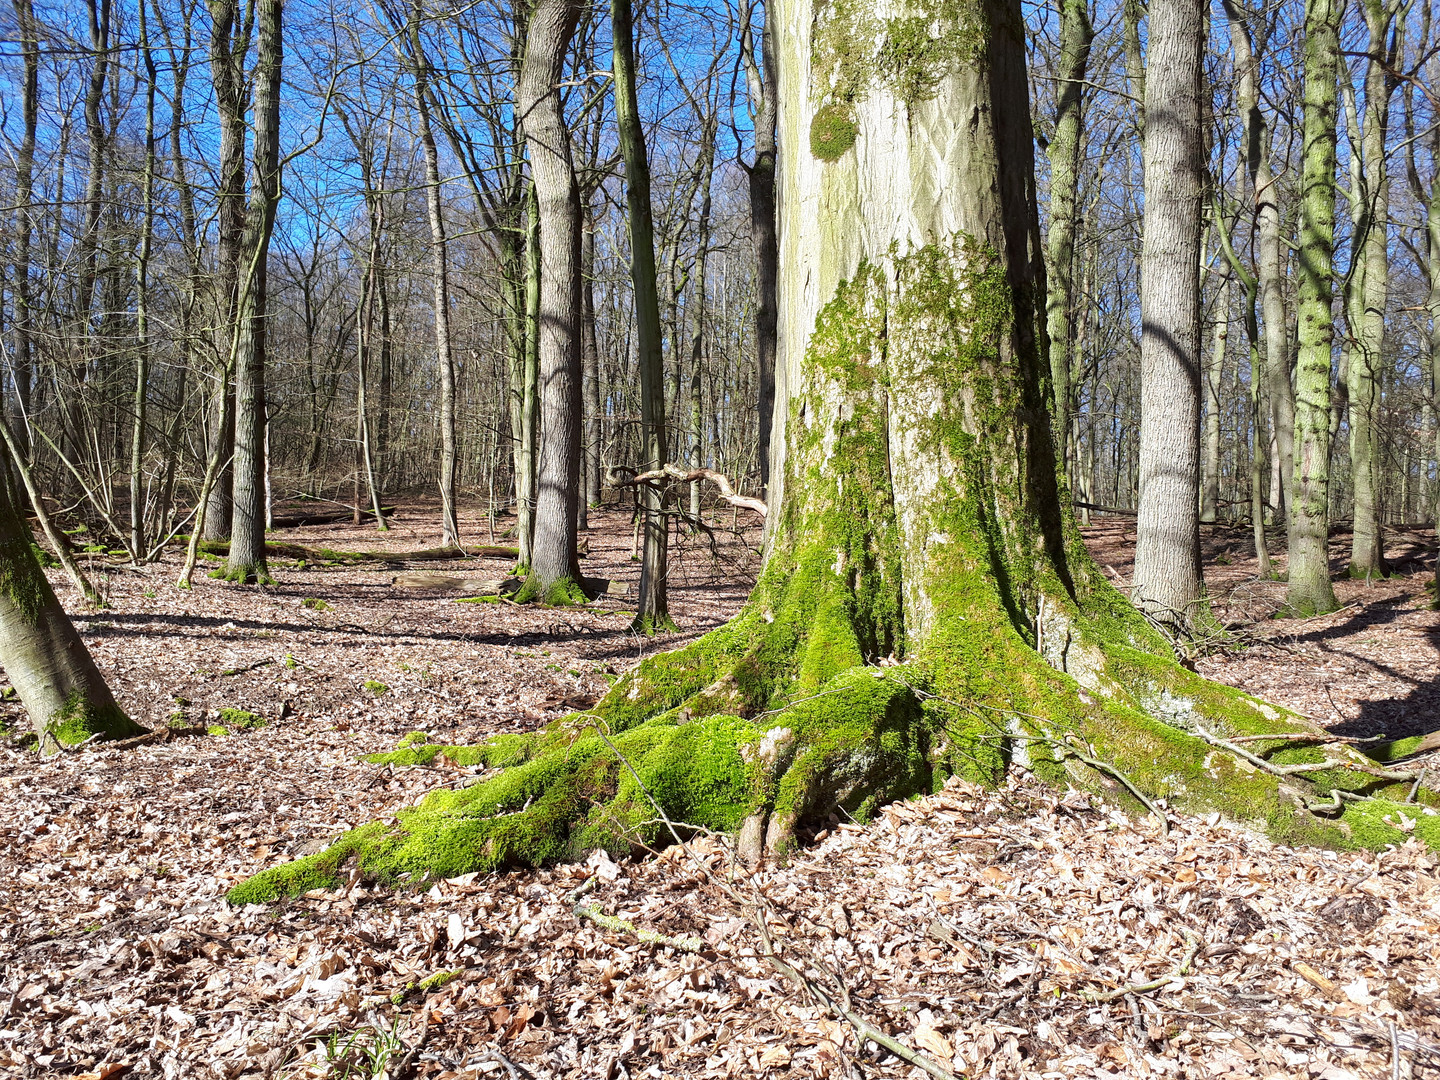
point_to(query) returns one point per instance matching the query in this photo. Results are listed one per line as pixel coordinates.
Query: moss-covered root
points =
(859, 741)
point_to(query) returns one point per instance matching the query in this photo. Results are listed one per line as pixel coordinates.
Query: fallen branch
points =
(691, 476)
(617, 925)
(1176, 976)
(248, 667)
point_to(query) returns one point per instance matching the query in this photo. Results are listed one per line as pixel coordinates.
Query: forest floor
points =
(997, 930)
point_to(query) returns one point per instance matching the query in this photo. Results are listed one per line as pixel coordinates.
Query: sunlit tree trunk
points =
(1369, 289)
(554, 575)
(926, 605)
(1168, 583)
(229, 44)
(763, 79)
(63, 692)
(246, 561)
(23, 368)
(1214, 378)
(440, 270)
(652, 613)
(1076, 35)
(1310, 591)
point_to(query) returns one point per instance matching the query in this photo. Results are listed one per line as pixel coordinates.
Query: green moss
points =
(240, 720)
(217, 729)
(853, 51)
(22, 582)
(563, 593)
(313, 603)
(498, 751)
(818, 694)
(79, 720)
(832, 132)
(436, 981)
(477, 600)
(375, 686)
(1397, 750)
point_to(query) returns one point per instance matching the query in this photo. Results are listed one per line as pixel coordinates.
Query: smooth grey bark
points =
(1168, 586)
(652, 614)
(64, 694)
(554, 567)
(440, 283)
(528, 389)
(1076, 36)
(1310, 591)
(763, 80)
(23, 367)
(1214, 377)
(1271, 260)
(1368, 285)
(142, 302)
(590, 362)
(229, 43)
(246, 560)
(706, 168)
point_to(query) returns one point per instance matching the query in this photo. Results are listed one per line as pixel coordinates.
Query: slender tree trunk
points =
(652, 610)
(554, 569)
(1168, 584)
(1369, 292)
(1270, 265)
(229, 44)
(1432, 311)
(439, 254)
(1076, 35)
(246, 560)
(1310, 591)
(706, 167)
(142, 304)
(23, 368)
(590, 361)
(764, 81)
(529, 389)
(1135, 58)
(1214, 377)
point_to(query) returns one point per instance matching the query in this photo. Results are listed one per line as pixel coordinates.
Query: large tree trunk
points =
(554, 568)
(1310, 591)
(246, 561)
(42, 654)
(1168, 583)
(926, 606)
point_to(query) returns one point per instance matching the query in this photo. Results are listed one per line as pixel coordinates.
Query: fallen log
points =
(472, 586)
(690, 476)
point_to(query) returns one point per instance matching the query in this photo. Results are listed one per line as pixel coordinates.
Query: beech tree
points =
(1168, 583)
(64, 694)
(554, 567)
(926, 606)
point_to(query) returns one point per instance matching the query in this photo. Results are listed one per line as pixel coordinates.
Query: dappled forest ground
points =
(992, 929)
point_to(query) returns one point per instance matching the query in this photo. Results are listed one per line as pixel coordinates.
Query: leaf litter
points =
(1022, 932)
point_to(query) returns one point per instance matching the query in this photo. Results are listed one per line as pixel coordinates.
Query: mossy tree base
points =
(925, 610)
